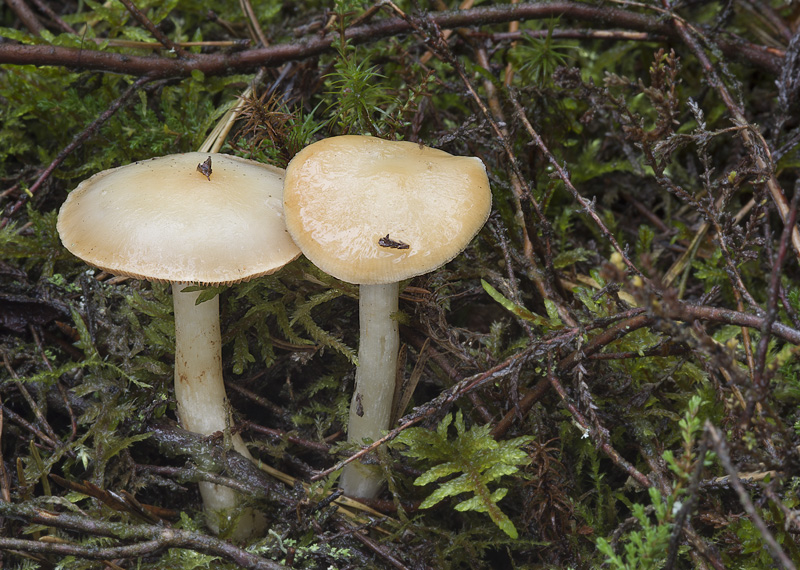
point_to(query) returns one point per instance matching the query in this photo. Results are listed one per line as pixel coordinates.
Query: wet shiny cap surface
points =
(371, 211)
(164, 219)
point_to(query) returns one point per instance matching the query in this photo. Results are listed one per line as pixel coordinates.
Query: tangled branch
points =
(273, 56)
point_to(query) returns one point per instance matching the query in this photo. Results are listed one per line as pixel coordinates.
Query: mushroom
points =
(194, 218)
(376, 212)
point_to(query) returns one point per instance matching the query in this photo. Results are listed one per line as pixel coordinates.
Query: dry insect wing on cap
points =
(204, 168)
(385, 241)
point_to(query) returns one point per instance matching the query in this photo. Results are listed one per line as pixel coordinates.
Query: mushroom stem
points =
(371, 407)
(202, 404)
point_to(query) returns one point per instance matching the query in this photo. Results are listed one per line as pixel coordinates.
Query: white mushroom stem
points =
(371, 407)
(202, 404)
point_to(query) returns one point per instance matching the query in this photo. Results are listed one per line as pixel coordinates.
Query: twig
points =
(687, 506)
(596, 435)
(174, 441)
(153, 29)
(278, 434)
(375, 547)
(30, 427)
(792, 516)
(751, 137)
(565, 178)
(50, 13)
(234, 44)
(720, 449)
(260, 400)
(28, 18)
(154, 538)
(441, 402)
(511, 277)
(419, 341)
(760, 377)
(572, 34)
(26, 395)
(522, 189)
(637, 320)
(77, 141)
(661, 349)
(686, 311)
(35, 409)
(273, 56)
(252, 20)
(516, 185)
(5, 485)
(194, 474)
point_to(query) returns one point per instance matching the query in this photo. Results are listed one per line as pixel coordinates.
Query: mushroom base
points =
(371, 407)
(224, 516)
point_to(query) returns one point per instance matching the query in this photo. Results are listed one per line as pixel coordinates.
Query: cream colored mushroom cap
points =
(352, 204)
(163, 220)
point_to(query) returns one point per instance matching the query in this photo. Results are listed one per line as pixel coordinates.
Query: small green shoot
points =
(474, 454)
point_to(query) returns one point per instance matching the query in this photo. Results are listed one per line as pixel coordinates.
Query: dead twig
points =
(596, 434)
(153, 29)
(751, 137)
(761, 375)
(442, 402)
(151, 539)
(27, 16)
(680, 311)
(274, 56)
(77, 141)
(721, 450)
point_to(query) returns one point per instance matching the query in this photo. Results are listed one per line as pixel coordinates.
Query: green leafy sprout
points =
(474, 454)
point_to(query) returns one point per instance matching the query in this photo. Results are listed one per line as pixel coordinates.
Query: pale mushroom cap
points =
(161, 219)
(343, 194)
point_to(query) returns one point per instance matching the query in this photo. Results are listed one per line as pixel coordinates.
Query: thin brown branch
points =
(596, 434)
(252, 21)
(761, 377)
(5, 482)
(173, 441)
(374, 546)
(273, 56)
(57, 20)
(682, 518)
(443, 401)
(28, 18)
(19, 420)
(195, 475)
(279, 435)
(681, 312)
(77, 141)
(153, 29)
(570, 34)
(547, 284)
(744, 499)
(153, 539)
(751, 137)
(587, 206)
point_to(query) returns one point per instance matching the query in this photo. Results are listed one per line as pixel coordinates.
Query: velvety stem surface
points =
(371, 408)
(200, 392)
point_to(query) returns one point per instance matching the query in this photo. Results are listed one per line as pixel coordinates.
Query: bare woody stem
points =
(276, 55)
(134, 540)
(751, 137)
